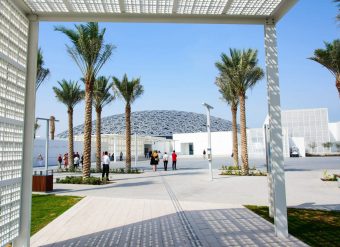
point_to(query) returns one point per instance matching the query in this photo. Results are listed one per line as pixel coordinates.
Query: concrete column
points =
(276, 145)
(27, 166)
(209, 144)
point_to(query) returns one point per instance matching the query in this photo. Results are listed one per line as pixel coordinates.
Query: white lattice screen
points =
(13, 50)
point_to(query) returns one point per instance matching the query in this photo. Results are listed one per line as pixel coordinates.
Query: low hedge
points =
(81, 180)
(236, 171)
(119, 170)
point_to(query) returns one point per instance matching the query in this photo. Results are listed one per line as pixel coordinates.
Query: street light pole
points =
(209, 107)
(136, 152)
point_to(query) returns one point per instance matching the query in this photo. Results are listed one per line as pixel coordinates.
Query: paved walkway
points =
(157, 218)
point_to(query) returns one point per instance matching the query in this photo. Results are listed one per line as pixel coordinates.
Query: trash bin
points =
(42, 181)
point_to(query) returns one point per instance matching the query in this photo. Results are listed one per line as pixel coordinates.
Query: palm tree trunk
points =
(98, 139)
(337, 83)
(70, 137)
(234, 128)
(87, 128)
(243, 126)
(128, 137)
(52, 127)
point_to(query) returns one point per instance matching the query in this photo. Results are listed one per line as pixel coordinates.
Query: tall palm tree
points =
(101, 98)
(240, 68)
(330, 59)
(129, 91)
(42, 72)
(229, 95)
(90, 53)
(70, 94)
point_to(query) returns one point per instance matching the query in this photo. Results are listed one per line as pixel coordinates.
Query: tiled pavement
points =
(107, 221)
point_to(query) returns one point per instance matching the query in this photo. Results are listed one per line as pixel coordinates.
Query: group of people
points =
(112, 156)
(77, 160)
(156, 157)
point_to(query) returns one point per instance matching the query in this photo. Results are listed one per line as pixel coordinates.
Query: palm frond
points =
(69, 93)
(329, 57)
(88, 49)
(101, 92)
(42, 73)
(128, 90)
(240, 70)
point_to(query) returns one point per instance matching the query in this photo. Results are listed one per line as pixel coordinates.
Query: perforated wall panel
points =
(13, 50)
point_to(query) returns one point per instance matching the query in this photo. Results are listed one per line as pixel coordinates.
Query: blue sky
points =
(176, 64)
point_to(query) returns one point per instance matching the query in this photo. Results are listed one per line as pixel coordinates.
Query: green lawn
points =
(314, 227)
(46, 208)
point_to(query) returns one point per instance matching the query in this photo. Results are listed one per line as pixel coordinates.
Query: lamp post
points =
(136, 151)
(209, 107)
(47, 139)
(115, 154)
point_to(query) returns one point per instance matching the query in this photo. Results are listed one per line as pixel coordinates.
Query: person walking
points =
(82, 161)
(106, 166)
(60, 160)
(165, 161)
(40, 160)
(174, 160)
(65, 158)
(76, 161)
(154, 161)
(160, 155)
(204, 153)
(121, 156)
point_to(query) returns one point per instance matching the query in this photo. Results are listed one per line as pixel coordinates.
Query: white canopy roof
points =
(190, 11)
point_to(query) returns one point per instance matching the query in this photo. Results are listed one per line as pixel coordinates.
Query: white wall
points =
(221, 142)
(56, 147)
(334, 130)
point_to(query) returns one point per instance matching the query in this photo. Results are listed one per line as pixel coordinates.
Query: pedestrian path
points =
(108, 221)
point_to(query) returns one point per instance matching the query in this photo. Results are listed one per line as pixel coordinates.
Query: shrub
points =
(328, 177)
(80, 180)
(239, 172)
(122, 170)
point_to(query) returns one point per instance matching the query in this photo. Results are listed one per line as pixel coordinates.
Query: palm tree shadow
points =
(217, 227)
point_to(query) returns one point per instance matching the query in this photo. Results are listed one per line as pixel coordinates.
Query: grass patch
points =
(46, 208)
(314, 227)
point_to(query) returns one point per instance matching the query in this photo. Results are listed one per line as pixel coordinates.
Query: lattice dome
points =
(157, 123)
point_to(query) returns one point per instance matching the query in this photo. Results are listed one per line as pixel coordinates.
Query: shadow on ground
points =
(218, 227)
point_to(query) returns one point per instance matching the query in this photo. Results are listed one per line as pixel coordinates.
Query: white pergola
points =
(19, 24)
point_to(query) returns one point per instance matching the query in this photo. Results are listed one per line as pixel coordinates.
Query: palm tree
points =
(240, 68)
(101, 97)
(36, 127)
(229, 95)
(129, 91)
(90, 53)
(338, 5)
(70, 94)
(42, 72)
(330, 59)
